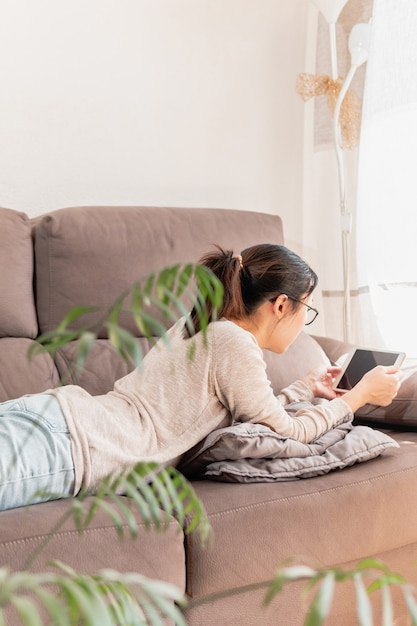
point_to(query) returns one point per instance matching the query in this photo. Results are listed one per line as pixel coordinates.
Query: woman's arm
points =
(379, 386)
(242, 386)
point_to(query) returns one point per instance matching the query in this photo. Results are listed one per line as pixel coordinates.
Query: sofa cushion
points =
(88, 256)
(17, 306)
(289, 607)
(153, 553)
(301, 357)
(249, 453)
(103, 366)
(26, 375)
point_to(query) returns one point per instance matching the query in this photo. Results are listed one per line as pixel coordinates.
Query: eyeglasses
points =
(311, 311)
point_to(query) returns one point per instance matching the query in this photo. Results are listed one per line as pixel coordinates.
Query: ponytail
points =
(260, 273)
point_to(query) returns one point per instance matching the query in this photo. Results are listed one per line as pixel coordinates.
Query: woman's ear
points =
(280, 305)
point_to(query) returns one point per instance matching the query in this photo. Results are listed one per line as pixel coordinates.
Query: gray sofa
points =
(88, 256)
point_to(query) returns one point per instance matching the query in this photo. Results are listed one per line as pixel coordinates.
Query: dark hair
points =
(260, 273)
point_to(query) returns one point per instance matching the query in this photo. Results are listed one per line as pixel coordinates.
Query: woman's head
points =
(257, 275)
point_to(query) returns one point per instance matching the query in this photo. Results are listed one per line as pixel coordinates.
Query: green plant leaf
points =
(84, 347)
(127, 514)
(286, 575)
(125, 343)
(209, 287)
(387, 609)
(103, 505)
(106, 499)
(165, 283)
(102, 599)
(113, 316)
(171, 307)
(80, 603)
(410, 603)
(156, 598)
(145, 323)
(321, 604)
(27, 610)
(388, 578)
(148, 325)
(363, 604)
(52, 605)
(164, 291)
(51, 341)
(75, 314)
(184, 279)
(157, 493)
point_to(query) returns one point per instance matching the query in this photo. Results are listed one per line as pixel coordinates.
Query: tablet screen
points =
(362, 361)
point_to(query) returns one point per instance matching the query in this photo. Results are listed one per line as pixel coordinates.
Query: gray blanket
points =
(247, 453)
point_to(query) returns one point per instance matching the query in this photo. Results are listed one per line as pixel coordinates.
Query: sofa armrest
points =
(402, 412)
(333, 348)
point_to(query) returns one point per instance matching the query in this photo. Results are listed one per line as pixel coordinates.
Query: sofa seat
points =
(369, 508)
(157, 554)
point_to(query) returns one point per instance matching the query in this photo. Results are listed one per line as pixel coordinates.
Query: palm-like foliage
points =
(66, 598)
(169, 294)
(368, 576)
(109, 597)
(157, 493)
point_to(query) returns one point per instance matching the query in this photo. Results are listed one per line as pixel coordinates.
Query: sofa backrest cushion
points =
(19, 373)
(103, 366)
(88, 256)
(301, 357)
(17, 306)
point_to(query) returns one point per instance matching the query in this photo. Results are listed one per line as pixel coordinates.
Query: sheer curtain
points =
(386, 210)
(381, 174)
(322, 237)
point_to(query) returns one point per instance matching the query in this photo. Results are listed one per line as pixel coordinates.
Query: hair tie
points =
(239, 258)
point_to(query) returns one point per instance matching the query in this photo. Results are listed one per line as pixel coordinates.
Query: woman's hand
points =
(320, 380)
(379, 386)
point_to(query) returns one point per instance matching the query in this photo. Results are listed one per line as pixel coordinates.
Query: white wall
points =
(159, 102)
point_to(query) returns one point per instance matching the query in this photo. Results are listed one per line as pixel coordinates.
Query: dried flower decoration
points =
(309, 85)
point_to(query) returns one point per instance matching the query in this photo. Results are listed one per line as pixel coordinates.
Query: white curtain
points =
(381, 177)
(322, 238)
(386, 212)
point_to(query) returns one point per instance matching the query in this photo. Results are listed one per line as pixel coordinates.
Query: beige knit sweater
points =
(173, 401)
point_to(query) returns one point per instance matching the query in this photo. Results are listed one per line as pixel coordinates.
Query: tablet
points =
(359, 361)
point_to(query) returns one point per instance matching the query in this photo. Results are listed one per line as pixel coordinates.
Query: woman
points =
(55, 443)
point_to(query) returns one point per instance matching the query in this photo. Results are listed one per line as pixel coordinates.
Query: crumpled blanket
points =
(247, 453)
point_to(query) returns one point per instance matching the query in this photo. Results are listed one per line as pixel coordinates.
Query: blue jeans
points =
(35, 452)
